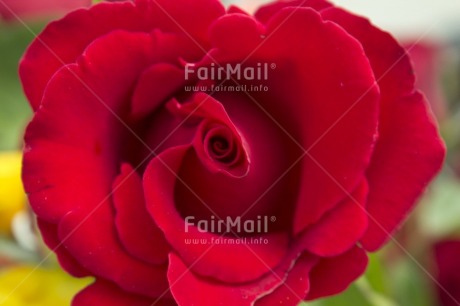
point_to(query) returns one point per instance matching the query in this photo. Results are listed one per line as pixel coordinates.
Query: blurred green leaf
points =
(440, 210)
(360, 293)
(375, 298)
(352, 296)
(376, 276)
(411, 285)
(14, 109)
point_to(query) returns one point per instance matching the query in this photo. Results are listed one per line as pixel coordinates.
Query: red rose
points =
(130, 171)
(447, 254)
(426, 57)
(13, 9)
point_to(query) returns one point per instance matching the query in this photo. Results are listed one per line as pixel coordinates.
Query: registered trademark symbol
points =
(273, 66)
(273, 219)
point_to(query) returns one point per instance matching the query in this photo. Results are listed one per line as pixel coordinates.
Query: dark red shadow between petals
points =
(137, 231)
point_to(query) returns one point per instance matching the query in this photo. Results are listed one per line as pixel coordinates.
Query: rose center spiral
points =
(219, 145)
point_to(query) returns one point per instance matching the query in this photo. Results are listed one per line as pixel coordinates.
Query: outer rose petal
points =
(103, 293)
(49, 234)
(226, 262)
(409, 151)
(425, 58)
(333, 275)
(137, 231)
(324, 80)
(406, 160)
(64, 40)
(410, 145)
(232, 9)
(92, 240)
(187, 288)
(341, 228)
(78, 136)
(294, 288)
(190, 16)
(74, 128)
(266, 12)
(446, 255)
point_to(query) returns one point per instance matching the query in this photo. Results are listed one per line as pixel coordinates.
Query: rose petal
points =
(203, 194)
(405, 161)
(246, 189)
(73, 129)
(240, 28)
(106, 293)
(188, 288)
(267, 11)
(295, 288)
(191, 18)
(136, 230)
(334, 275)
(426, 57)
(269, 187)
(78, 136)
(233, 9)
(49, 233)
(91, 239)
(165, 130)
(446, 254)
(398, 148)
(156, 85)
(335, 104)
(63, 41)
(246, 262)
(213, 113)
(409, 151)
(341, 228)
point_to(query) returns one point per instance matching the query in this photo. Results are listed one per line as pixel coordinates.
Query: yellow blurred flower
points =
(12, 197)
(27, 286)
